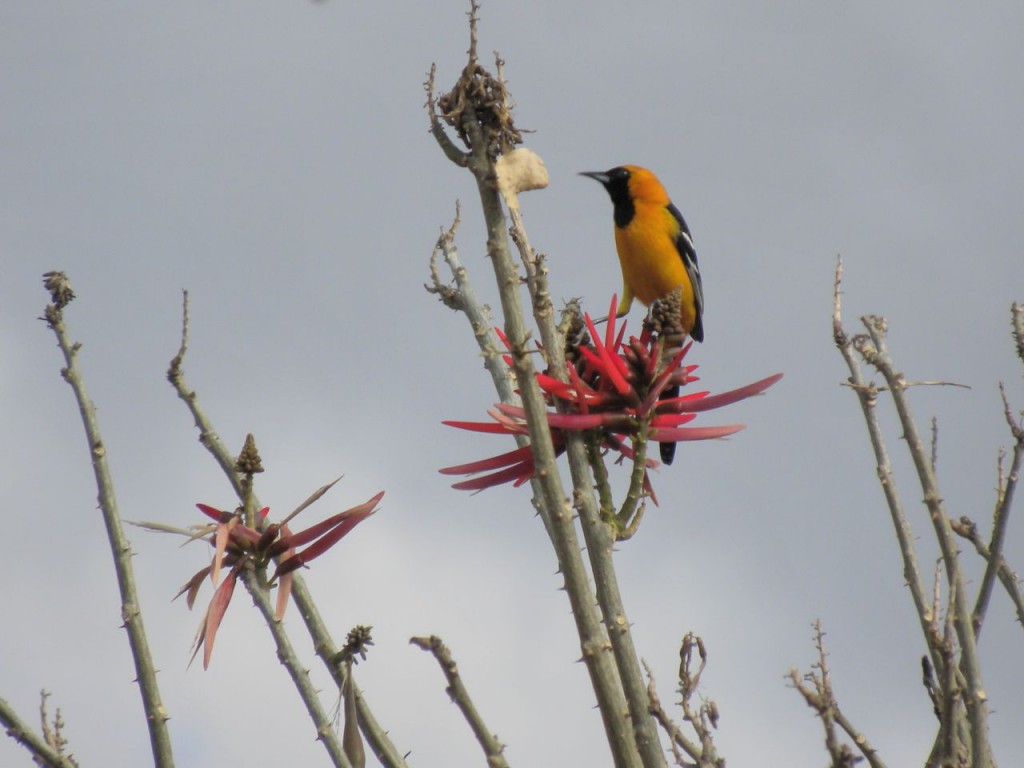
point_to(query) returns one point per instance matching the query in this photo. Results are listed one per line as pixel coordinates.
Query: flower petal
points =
(611, 365)
(724, 398)
(284, 591)
(519, 472)
(478, 426)
(672, 419)
(192, 586)
(218, 606)
(684, 434)
(212, 512)
(220, 540)
(330, 531)
(516, 456)
(323, 528)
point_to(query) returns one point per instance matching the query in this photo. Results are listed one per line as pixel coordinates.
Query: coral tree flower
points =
(237, 546)
(614, 391)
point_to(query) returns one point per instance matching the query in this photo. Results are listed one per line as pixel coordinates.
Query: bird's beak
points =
(600, 176)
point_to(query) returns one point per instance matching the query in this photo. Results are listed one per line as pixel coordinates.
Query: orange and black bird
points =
(655, 249)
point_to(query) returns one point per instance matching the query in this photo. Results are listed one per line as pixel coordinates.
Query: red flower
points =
(613, 390)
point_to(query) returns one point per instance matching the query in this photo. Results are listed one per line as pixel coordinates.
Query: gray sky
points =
(273, 158)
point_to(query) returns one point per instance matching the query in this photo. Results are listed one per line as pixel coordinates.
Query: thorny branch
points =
(462, 297)
(46, 749)
(867, 393)
(703, 718)
(325, 732)
(973, 695)
(121, 551)
(490, 743)
(995, 564)
(952, 674)
(677, 739)
(816, 688)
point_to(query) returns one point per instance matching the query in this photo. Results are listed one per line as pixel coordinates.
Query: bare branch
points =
(452, 152)
(867, 394)
(1017, 324)
(53, 731)
(489, 742)
(974, 696)
(325, 732)
(816, 688)
(43, 752)
(208, 436)
(675, 735)
(463, 297)
(120, 548)
(995, 564)
(704, 717)
(966, 528)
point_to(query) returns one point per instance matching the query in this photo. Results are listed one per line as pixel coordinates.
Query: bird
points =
(656, 252)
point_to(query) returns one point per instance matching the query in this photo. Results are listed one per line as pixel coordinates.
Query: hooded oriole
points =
(655, 250)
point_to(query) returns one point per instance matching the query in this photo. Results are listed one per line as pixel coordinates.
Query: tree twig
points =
(816, 688)
(463, 298)
(966, 528)
(1017, 326)
(325, 732)
(974, 696)
(677, 739)
(995, 564)
(120, 548)
(489, 742)
(867, 394)
(42, 752)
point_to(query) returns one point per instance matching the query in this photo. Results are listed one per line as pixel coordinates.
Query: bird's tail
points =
(668, 450)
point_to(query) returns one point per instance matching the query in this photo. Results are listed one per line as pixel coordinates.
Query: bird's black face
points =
(616, 182)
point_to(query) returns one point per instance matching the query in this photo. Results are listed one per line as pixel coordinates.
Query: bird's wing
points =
(684, 244)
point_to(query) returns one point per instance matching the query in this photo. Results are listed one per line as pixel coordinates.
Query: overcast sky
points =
(273, 158)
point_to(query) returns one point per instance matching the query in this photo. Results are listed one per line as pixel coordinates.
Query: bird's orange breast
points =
(652, 268)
